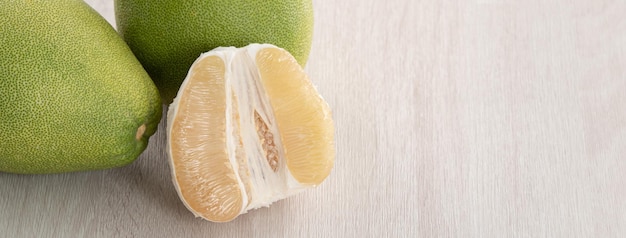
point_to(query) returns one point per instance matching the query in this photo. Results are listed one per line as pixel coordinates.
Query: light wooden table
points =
(454, 118)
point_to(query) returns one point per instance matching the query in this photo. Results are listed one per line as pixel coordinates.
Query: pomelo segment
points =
(301, 114)
(246, 129)
(199, 133)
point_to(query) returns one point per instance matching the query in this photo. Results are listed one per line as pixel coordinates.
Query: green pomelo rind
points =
(72, 93)
(167, 36)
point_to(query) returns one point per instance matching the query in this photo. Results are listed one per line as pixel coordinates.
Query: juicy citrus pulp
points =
(247, 128)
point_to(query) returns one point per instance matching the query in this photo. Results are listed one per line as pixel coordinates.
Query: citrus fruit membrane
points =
(247, 128)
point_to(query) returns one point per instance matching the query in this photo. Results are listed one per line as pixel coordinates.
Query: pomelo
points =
(73, 96)
(246, 129)
(167, 36)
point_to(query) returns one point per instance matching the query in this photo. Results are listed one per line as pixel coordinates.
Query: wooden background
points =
(454, 118)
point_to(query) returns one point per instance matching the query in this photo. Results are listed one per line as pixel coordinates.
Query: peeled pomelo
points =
(72, 95)
(246, 129)
(167, 36)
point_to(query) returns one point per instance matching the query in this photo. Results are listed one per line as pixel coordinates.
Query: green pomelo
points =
(167, 36)
(73, 96)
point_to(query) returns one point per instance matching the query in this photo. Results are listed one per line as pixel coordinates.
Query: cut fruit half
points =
(246, 129)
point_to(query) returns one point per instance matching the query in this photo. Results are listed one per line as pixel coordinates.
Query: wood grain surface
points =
(454, 118)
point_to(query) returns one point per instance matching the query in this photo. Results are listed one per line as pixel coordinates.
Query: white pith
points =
(243, 82)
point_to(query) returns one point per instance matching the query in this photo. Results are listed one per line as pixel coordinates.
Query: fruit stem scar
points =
(140, 131)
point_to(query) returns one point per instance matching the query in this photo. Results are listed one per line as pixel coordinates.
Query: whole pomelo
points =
(167, 36)
(73, 96)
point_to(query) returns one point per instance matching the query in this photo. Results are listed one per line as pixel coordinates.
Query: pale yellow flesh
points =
(203, 171)
(303, 118)
(218, 186)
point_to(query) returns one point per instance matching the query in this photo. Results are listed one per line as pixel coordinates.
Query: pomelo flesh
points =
(247, 128)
